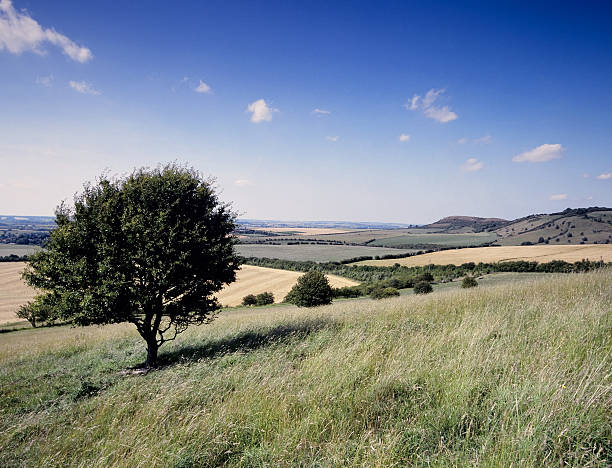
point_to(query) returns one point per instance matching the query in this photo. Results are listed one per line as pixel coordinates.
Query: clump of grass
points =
(515, 375)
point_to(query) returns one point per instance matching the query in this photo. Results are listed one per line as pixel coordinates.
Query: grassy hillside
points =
(499, 376)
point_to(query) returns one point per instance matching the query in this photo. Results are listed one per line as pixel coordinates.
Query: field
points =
(446, 240)
(19, 250)
(254, 280)
(302, 231)
(13, 291)
(501, 376)
(536, 253)
(315, 253)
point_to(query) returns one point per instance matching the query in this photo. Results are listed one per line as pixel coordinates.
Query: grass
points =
(447, 240)
(17, 249)
(535, 253)
(499, 376)
(315, 253)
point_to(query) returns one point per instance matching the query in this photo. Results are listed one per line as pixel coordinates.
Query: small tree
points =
(249, 300)
(423, 287)
(264, 298)
(312, 289)
(36, 311)
(469, 282)
(382, 293)
(151, 249)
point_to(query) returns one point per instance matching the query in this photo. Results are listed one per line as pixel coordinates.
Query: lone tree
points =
(312, 289)
(151, 249)
(469, 282)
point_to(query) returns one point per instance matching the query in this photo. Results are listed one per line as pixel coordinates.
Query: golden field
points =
(533, 253)
(249, 280)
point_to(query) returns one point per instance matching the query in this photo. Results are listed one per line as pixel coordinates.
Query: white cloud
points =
(558, 196)
(441, 114)
(485, 140)
(19, 32)
(203, 88)
(243, 182)
(321, 112)
(332, 138)
(462, 141)
(261, 111)
(404, 138)
(84, 88)
(585, 175)
(46, 81)
(542, 153)
(605, 176)
(472, 165)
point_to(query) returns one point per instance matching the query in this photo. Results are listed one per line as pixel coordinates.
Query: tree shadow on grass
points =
(244, 341)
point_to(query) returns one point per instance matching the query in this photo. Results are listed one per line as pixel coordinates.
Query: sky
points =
(357, 111)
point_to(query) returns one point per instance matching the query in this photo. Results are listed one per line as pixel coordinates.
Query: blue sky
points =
(363, 111)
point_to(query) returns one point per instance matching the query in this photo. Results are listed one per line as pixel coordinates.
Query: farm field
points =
(536, 253)
(315, 253)
(448, 240)
(303, 231)
(513, 375)
(13, 291)
(255, 280)
(16, 249)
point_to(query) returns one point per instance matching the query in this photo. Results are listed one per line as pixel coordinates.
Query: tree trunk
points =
(152, 348)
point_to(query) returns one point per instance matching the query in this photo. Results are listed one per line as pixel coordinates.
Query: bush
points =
(381, 293)
(428, 277)
(311, 289)
(469, 282)
(264, 298)
(249, 300)
(423, 287)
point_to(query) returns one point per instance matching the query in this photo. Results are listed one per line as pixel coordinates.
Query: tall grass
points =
(504, 376)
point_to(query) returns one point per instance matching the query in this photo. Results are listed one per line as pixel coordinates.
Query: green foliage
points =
(249, 300)
(37, 311)
(469, 282)
(423, 287)
(382, 293)
(311, 289)
(265, 298)
(151, 249)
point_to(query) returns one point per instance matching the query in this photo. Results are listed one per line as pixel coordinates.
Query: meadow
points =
(537, 253)
(314, 252)
(513, 375)
(16, 249)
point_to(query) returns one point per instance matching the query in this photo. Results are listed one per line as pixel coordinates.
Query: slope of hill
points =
(516, 375)
(467, 224)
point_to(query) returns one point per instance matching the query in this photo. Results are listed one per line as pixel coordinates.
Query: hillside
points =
(467, 224)
(517, 375)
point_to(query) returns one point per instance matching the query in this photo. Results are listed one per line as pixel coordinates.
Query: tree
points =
(36, 311)
(249, 300)
(264, 298)
(312, 289)
(382, 293)
(150, 249)
(422, 287)
(469, 282)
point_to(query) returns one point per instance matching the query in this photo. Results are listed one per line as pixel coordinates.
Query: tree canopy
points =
(312, 289)
(151, 248)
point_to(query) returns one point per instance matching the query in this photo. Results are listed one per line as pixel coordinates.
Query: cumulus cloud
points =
(84, 88)
(46, 81)
(203, 88)
(321, 112)
(542, 153)
(332, 138)
(605, 176)
(243, 182)
(472, 165)
(19, 32)
(260, 111)
(441, 114)
(404, 138)
(558, 196)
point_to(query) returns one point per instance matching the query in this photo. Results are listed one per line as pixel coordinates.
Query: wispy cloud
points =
(542, 153)
(260, 111)
(203, 88)
(332, 138)
(441, 114)
(84, 88)
(321, 112)
(243, 182)
(462, 141)
(472, 165)
(19, 32)
(558, 196)
(484, 140)
(605, 176)
(46, 81)
(404, 138)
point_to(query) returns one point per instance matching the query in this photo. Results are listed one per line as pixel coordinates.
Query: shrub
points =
(423, 287)
(428, 277)
(381, 293)
(311, 289)
(249, 300)
(469, 282)
(264, 298)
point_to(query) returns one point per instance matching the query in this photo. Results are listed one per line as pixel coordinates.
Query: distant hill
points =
(460, 224)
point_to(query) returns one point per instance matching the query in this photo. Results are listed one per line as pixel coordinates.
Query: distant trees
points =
(264, 298)
(469, 282)
(151, 249)
(249, 300)
(312, 289)
(423, 287)
(382, 293)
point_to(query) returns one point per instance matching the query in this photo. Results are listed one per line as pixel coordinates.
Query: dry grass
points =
(537, 253)
(13, 291)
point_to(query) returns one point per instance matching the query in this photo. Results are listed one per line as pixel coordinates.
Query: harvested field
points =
(314, 252)
(13, 291)
(535, 253)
